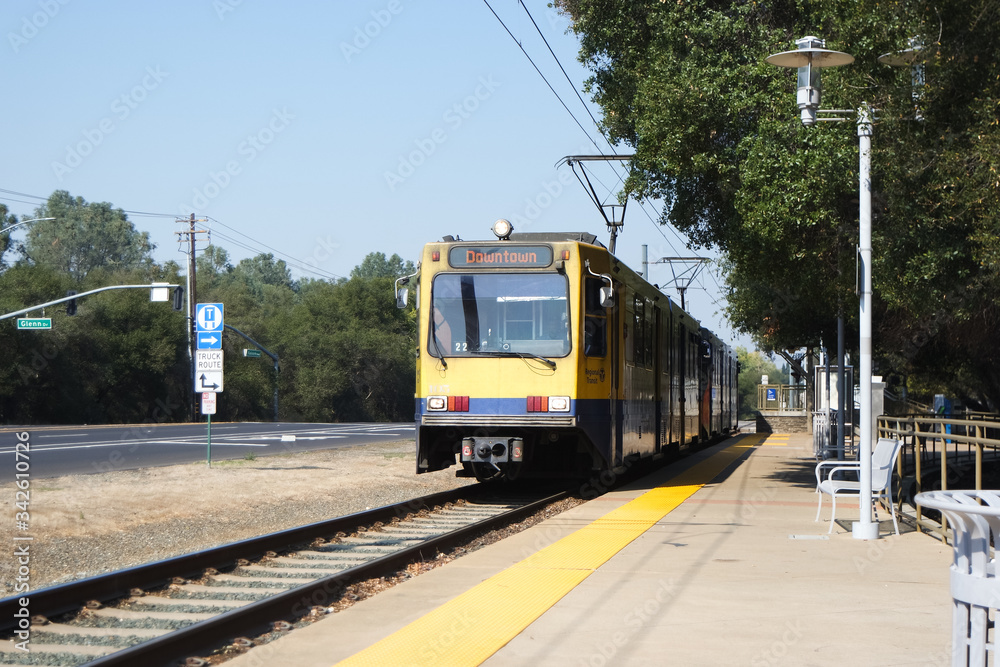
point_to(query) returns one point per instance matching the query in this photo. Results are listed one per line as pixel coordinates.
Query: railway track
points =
(171, 611)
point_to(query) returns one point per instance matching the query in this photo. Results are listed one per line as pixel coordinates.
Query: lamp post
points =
(808, 58)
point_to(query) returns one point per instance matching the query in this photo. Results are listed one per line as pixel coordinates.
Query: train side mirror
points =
(607, 297)
(403, 292)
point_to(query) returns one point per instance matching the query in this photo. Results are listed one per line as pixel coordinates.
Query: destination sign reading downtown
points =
(500, 256)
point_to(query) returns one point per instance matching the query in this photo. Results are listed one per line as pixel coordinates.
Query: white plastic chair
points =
(883, 462)
(975, 588)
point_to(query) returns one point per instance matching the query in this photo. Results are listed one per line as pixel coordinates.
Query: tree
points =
(212, 266)
(753, 366)
(351, 352)
(6, 220)
(717, 139)
(375, 265)
(261, 270)
(120, 359)
(85, 236)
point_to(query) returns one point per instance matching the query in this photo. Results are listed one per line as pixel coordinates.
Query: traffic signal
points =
(178, 298)
(71, 304)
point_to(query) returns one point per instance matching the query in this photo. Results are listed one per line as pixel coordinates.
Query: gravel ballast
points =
(86, 525)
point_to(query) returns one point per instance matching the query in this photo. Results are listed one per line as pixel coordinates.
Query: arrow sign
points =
(209, 341)
(208, 382)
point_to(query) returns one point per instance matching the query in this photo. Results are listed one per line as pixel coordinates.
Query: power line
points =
(293, 261)
(643, 202)
(556, 58)
(580, 125)
(596, 124)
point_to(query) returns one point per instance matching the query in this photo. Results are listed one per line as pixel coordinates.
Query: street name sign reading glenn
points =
(34, 323)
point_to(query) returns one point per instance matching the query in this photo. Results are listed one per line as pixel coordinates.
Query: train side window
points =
(595, 326)
(638, 331)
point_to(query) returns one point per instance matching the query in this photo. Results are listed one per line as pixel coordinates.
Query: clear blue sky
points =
(317, 131)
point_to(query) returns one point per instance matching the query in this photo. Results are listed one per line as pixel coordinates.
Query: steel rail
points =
(213, 633)
(70, 597)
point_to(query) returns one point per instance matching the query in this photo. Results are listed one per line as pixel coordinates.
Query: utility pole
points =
(191, 234)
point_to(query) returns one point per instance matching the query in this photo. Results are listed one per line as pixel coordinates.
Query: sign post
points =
(208, 404)
(208, 361)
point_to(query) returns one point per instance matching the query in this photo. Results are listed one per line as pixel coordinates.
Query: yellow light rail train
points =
(542, 354)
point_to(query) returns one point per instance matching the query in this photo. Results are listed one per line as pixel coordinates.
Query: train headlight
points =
(502, 228)
(558, 403)
(437, 403)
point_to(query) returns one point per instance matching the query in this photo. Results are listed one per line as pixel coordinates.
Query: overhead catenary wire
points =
(516, 41)
(644, 202)
(563, 69)
(620, 178)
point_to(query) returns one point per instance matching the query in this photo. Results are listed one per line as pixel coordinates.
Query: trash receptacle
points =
(975, 588)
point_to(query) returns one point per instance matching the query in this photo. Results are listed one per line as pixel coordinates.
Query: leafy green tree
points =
(262, 270)
(717, 138)
(134, 361)
(753, 366)
(85, 236)
(30, 387)
(375, 265)
(212, 267)
(6, 220)
(346, 351)
(120, 359)
(351, 352)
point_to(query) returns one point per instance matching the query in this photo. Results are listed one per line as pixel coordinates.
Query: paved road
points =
(76, 450)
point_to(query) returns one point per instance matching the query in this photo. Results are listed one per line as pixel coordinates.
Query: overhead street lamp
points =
(808, 58)
(23, 222)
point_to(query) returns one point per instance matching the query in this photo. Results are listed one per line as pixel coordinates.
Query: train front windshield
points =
(499, 313)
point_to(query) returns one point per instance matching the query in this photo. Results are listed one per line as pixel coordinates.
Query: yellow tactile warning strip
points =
(776, 440)
(498, 609)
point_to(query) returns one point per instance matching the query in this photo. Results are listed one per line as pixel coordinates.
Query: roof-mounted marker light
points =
(502, 228)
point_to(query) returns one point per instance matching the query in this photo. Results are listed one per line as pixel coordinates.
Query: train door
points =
(673, 436)
(658, 362)
(704, 389)
(680, 350)
(617, 360)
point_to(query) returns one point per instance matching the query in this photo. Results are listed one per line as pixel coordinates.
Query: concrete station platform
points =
(714, 560)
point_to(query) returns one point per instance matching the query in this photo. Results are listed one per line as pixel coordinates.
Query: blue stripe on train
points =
(593, 416)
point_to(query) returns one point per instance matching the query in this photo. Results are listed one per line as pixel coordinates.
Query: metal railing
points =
(825, 436)
(956, 445)
(785, 397)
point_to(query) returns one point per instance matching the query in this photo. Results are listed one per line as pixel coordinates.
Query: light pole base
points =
(864, 531)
